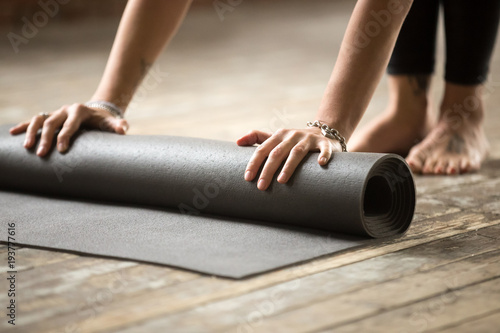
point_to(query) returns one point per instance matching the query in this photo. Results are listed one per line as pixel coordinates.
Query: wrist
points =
(341, 125)
(119, 100)
(329, 132)
(112, 108)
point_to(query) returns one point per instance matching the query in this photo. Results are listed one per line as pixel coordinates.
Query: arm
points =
(145, 28)
(363, 57)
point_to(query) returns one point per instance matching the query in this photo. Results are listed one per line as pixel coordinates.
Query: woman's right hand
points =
(68, 118)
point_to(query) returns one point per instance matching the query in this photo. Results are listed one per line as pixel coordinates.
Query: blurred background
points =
(258, 65)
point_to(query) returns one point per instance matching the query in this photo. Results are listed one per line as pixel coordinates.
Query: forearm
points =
(365, 51)
(145, 29)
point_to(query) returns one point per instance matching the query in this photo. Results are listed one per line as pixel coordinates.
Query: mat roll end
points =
(389, 198)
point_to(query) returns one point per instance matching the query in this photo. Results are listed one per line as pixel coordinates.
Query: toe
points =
(415, 165)
(464, 165)
(429, 166)
(453, 167)
(415, 161)
(474, 164)
(440, 167)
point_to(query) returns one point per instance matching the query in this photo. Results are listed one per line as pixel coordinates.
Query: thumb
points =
(116, 125)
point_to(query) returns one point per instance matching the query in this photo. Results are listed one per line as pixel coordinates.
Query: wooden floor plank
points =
(482, 324)
(452, 306)
(408, 303)
(269, 302)
(191, 294)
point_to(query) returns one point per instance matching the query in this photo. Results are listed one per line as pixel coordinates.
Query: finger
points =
(71, 125)
(260, 154)
(35, 124)
(276, 157)
(297, 154)
(50, 125)
(19, 128)
(325, 154)
(252, 138)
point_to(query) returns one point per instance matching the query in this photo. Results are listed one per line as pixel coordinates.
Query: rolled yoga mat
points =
(183, 202)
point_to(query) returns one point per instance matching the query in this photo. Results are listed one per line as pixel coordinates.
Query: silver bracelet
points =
(112, 108)
(331, 133)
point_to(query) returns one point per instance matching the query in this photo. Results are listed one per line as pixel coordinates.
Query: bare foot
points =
(389, 134)
(403, 124)
(458, 143)
(450, 151)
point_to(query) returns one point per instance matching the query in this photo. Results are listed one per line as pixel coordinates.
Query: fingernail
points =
(61, 146)
(26, 143)
(282, 178)
(261, 185)
(323, 160)
(41, 150)
(125, 128)
(249, 175)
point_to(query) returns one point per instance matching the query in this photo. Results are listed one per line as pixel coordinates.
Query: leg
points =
(405, 121)
(458, 144)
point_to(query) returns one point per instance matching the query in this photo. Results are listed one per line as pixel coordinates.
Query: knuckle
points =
(66, 126)
(50, 122)
(280, 131)
(328, 145)
(276, 152)
(299, 150)
(76, 108)
(62, 138)
(251, 165)
(295, 135)
(259, 149)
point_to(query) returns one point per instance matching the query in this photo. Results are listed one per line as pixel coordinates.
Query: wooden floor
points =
(264, 66)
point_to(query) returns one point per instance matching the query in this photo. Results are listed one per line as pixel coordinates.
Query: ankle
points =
(463, 103)
(470, 114)
(413, 113)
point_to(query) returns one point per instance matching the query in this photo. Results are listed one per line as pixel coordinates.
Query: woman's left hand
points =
(290, 144)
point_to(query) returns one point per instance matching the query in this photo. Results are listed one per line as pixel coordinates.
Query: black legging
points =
(470, 27)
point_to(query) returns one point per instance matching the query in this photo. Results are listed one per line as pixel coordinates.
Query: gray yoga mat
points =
(183, 202)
